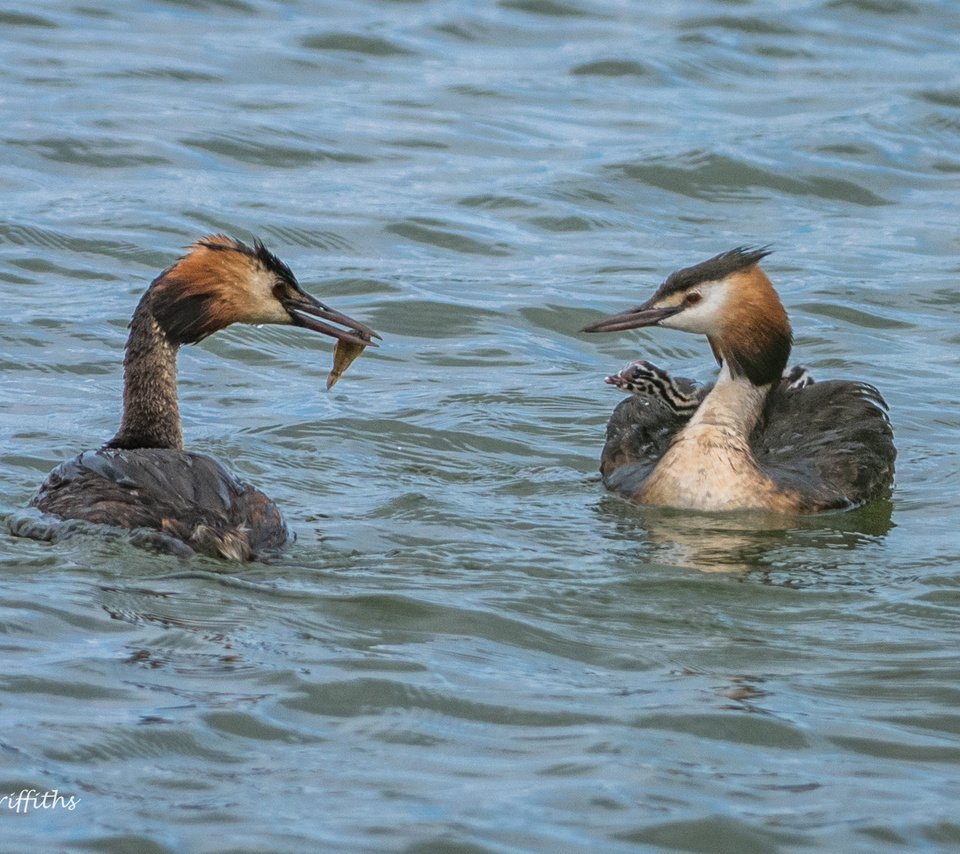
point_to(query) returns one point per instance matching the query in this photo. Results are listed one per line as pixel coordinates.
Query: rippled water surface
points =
(471, 647)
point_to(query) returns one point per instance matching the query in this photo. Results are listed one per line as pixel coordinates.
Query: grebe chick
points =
(142, 478)
(679, 393)
(760, 438)
(647, 380)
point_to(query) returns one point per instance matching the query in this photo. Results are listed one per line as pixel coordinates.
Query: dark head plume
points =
(713, 269)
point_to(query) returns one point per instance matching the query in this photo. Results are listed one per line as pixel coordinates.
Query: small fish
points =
(343, 354)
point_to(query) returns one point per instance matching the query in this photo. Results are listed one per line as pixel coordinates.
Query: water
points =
(471, 647)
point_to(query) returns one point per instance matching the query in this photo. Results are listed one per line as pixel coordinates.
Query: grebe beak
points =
(644, 315)
(304, 309)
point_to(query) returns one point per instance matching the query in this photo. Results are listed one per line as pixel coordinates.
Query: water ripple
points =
(354, 43)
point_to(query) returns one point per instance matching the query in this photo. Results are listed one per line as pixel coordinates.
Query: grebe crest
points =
(762, 437)
(142, 478)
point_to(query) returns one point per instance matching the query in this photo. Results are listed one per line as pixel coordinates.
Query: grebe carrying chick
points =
(759, 438)
(142, 478)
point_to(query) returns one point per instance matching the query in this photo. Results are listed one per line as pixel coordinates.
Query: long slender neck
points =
(151, 413)
(734, 405)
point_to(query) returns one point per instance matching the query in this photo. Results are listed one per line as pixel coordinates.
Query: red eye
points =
(692, 298)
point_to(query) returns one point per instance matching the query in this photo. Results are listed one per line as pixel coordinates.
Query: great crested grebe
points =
(142, 478)
(758, 439)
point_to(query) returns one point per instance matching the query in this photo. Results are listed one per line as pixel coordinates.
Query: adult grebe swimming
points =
(758, 439)
(142, 478)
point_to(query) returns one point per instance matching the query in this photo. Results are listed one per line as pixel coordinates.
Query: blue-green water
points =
(471, 647)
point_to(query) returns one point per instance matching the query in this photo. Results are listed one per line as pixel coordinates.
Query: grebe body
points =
(142, 479)
(182, 502)
(758, 438)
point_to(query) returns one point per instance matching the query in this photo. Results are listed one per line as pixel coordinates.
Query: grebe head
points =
(729, 299)
(221, 281)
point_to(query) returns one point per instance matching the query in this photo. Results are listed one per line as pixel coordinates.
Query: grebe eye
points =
(692, 298)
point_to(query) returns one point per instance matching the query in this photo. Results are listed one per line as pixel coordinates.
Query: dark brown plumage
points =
(182, 499)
